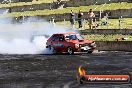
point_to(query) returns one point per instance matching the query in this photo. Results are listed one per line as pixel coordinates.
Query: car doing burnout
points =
(70, 43)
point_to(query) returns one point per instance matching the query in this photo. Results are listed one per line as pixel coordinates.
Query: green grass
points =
(27, 3)
(103, 37)
(112, 24)
(112, 6)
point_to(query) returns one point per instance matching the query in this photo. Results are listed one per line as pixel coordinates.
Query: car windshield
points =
(79, 37)
(74, 37)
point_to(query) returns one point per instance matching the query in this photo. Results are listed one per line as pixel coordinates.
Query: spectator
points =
(91, 15)
(53, 21)
(58, 2)
(72, 19)
(80, 19)
(9, 10)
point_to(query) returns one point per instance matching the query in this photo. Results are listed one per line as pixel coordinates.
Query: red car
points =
(70, 42)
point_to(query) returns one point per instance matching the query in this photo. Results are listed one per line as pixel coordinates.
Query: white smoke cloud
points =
(26, 38)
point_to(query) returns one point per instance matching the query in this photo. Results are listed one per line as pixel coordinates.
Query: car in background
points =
(69, 42)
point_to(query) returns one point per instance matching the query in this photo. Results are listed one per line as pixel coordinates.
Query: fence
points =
(104, 23)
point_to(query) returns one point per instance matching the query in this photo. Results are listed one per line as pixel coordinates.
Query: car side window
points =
(55, 38)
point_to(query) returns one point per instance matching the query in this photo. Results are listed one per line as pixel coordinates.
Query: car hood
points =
(80, 41)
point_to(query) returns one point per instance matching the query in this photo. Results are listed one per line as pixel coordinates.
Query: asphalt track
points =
(59, 71)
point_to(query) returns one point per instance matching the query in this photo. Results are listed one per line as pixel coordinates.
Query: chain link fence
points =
(103, 23)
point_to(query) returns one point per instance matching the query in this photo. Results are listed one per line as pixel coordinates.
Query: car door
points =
(55, 41)
(62, 43)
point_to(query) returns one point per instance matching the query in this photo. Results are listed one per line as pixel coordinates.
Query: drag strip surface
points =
(59, 71)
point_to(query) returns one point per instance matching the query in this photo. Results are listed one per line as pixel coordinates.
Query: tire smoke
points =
(27, 38)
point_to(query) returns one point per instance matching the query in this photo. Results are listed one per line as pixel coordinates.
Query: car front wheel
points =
(70, 51)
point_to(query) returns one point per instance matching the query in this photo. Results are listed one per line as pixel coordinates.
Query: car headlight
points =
(77, 45)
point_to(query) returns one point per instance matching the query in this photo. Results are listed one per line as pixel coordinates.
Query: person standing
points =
(91, 15)
(53, 21)
(80, 19)
(72, 19)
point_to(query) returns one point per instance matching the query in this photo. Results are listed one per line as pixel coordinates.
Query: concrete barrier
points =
(32, 7)
(114, 45)
(107, 31)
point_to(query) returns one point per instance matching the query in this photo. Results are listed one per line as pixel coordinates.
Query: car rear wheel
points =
(70, 51)
(52, 50)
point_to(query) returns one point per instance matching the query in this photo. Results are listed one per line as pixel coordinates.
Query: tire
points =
(89, 52)
(52, 50)
(70, 51)
(82, 80)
